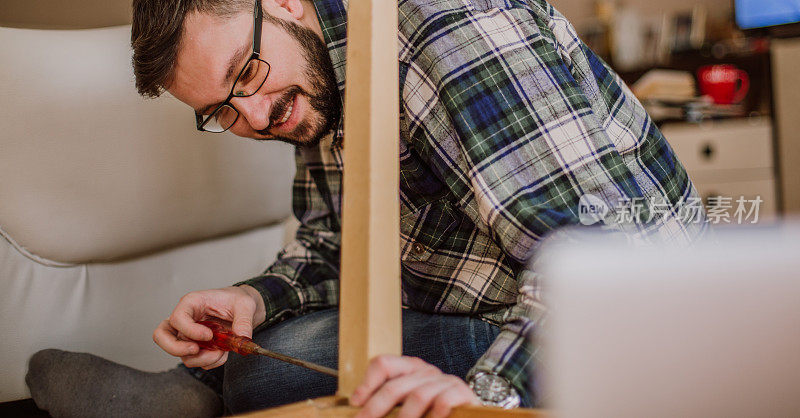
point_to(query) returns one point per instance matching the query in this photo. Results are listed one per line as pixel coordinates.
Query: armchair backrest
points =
(90, 171)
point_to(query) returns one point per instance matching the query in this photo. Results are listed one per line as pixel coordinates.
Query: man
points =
(509, 124)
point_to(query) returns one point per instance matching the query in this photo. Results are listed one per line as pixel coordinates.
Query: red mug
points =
(725, 83)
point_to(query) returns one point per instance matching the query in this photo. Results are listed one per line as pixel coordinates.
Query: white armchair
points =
(113, 206)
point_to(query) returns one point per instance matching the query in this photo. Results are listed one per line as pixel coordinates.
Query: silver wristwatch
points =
(494, 390)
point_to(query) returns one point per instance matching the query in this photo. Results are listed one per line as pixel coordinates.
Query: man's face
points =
(298, 103)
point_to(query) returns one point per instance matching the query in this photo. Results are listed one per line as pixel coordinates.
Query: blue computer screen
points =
(752, 14)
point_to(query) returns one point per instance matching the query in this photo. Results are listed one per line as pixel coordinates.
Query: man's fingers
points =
(177, 335)
(205, 358)
(218, 363)
(421, 399)
(455, 395)
(165, 336)
(185, 316)
(381, 369)
(394, 391)
(243, 317)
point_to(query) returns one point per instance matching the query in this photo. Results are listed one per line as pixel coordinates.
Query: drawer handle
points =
(708, 151)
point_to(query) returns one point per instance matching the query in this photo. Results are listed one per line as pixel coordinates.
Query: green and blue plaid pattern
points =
(507, 120)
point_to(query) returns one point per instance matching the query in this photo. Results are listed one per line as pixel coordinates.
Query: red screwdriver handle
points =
(224, 339)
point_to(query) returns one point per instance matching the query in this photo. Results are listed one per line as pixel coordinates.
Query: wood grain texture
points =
(369, 306)
(786, 88)
(336, 407)
(64, 14)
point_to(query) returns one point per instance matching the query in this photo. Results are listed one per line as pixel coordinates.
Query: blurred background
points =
(720, 78)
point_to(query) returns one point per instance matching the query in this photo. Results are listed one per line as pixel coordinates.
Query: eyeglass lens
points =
(250, 80)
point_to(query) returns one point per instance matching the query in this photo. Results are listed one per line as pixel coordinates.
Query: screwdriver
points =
(224, 339)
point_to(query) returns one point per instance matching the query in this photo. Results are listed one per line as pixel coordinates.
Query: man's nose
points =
(254, 109)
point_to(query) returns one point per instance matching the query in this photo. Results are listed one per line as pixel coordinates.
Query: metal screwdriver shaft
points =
(297, 362)
(224, 339)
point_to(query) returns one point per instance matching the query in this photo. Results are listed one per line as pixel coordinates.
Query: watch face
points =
(492, 388)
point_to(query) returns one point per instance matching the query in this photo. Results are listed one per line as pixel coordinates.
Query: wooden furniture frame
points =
(370, 300)
(786, 87)
(336, 407)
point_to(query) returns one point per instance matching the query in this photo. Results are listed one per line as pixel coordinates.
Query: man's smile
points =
(288, 113)
(286, 107)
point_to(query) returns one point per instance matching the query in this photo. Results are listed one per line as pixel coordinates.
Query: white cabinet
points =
(727, 161)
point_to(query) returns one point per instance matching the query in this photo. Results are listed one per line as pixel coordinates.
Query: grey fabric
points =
(83, 385)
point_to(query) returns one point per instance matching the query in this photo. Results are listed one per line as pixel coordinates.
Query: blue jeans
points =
(453, 343)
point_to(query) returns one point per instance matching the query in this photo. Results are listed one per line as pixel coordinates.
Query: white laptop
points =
(710, 331)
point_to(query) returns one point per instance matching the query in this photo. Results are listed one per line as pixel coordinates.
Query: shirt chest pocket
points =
(423, 231)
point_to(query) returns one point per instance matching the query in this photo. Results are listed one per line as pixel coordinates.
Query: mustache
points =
(281, 106)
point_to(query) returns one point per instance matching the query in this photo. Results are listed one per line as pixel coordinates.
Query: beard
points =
(323, 96)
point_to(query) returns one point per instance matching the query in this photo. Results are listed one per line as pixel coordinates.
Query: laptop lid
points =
(707, 331)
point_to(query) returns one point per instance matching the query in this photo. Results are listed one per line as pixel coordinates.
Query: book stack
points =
(671, 95)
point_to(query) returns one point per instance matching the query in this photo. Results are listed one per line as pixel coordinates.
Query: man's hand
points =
(419, 386)
(241, 305)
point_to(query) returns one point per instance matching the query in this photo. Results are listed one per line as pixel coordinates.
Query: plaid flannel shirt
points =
(507, 119)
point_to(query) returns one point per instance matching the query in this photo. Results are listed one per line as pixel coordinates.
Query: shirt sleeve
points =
(521, 120)
(305, 275)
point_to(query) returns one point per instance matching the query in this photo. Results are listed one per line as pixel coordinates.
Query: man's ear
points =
(293, 7)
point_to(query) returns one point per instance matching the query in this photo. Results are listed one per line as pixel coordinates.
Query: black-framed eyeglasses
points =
(247, 83)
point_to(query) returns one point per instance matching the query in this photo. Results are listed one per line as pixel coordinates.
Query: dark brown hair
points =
(156, 34)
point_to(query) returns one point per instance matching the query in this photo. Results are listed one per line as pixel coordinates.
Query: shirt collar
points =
(332, 15)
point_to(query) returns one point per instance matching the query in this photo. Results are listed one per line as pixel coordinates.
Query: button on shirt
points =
(507, 120)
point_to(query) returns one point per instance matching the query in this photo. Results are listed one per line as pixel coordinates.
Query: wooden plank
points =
(65, 14)
(369, 306)
(336, 407)
(483, 411)
(786, 88)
